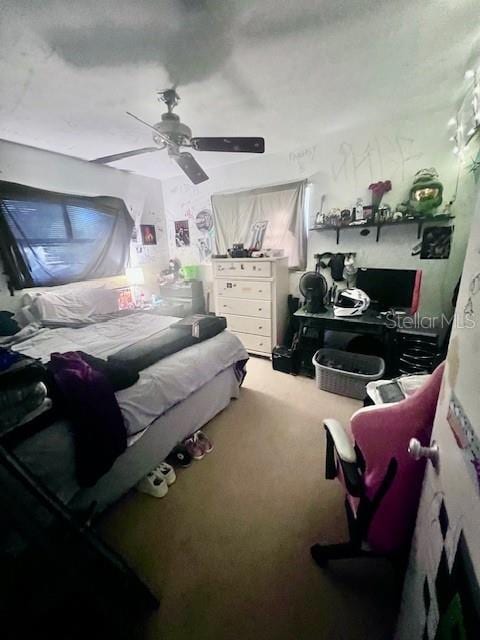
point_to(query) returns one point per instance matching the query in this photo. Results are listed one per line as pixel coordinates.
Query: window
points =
(281, 209)
(57, 238)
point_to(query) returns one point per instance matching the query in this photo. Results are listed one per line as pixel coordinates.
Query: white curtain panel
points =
(282, 206)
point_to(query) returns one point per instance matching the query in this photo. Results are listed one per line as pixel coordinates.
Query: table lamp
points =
(135, 279)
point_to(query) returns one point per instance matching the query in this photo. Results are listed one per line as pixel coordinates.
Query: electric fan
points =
(313, 287)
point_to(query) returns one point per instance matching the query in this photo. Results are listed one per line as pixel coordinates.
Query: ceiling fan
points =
(172, 134)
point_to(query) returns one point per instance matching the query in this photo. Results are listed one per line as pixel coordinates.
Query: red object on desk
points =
(125, 299)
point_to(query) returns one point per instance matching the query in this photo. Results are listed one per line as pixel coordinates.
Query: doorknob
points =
(416, 451)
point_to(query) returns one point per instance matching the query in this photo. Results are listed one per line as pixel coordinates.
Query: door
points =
(441, 596)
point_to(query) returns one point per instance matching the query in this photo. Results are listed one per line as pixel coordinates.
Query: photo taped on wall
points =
(182, 233)
(149, 235)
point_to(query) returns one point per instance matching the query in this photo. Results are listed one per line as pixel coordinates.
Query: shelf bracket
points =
(419, 229)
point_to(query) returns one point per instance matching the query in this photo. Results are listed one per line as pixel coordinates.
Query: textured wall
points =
(342, 166)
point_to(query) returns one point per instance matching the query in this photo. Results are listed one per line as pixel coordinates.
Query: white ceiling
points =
(289, 70)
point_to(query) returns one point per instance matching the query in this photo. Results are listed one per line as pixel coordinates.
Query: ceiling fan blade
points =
(235, 145)
(190, 166)
(126, 154)
(150, 126)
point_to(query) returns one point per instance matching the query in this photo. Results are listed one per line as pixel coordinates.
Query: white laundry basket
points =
(345, 373)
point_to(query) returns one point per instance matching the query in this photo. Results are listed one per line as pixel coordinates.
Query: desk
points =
(369, 323)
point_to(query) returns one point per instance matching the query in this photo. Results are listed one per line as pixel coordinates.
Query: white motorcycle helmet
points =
(351, 302)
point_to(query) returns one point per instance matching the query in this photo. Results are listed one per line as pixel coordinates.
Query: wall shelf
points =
(420, 222)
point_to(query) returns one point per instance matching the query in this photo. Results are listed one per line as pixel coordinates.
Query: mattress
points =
(50, 453)
(172, 399)
(161, 386)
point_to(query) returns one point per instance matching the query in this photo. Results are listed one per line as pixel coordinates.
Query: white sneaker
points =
(153, 484)
(166, 471)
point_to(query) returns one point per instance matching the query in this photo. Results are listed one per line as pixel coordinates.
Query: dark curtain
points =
(49, 238)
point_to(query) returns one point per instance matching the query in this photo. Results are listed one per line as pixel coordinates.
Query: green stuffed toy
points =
(426, 192)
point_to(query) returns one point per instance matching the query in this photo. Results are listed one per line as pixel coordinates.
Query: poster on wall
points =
(204, 221)
(182, 233)
(465, 436)
(204, 224)
(149, 235)
(204, 245)
(436, 243)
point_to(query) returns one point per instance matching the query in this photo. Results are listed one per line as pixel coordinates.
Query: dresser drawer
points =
(255, 343)
(251, 289)
(243, 324)
(255, 308)
(247, 268)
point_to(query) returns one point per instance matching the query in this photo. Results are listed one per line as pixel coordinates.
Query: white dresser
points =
(252, 294)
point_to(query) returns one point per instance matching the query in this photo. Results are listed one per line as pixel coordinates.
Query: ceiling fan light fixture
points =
(171, 133)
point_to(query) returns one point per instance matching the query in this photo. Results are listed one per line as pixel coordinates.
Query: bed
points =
(172, 399)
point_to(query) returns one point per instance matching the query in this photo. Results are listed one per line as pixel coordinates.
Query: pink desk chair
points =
(382, 481)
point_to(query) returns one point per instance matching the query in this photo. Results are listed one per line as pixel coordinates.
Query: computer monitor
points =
(390, 288)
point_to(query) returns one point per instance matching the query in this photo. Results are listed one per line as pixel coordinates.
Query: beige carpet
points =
(227, 549)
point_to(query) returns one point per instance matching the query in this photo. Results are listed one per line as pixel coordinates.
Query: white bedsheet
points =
(160, 386)
(99, 340)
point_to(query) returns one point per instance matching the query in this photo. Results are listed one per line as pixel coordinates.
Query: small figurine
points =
(320, 216)
(447, 208)
(333, 217)
(359, 209)
(384, 213)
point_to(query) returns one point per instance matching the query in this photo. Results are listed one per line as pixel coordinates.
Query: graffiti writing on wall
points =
(389, 155)
(303, 157)
(185, 189)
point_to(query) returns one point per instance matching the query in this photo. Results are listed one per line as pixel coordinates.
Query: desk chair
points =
(381, 480)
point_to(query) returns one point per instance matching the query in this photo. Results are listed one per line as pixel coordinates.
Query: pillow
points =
(69, 306)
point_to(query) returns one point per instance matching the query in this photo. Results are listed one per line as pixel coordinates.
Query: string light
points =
(467, 119)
